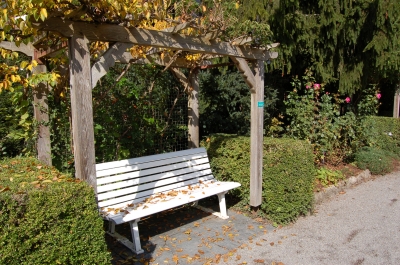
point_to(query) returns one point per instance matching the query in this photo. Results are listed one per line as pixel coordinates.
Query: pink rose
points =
(347, 100)
(378, 96)
(317, 86)
(307, 86)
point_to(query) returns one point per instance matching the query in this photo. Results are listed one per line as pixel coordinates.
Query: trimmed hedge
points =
(47, 218)
(378, 161)
(382, 133)
(288, 173)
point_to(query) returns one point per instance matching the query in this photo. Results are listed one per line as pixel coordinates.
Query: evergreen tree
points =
(347, 44)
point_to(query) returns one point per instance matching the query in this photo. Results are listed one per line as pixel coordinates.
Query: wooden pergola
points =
(83, 77)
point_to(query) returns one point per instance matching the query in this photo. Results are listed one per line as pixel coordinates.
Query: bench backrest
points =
(131, 180)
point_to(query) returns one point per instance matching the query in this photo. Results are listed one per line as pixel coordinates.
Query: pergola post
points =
(82, 109)
(256, 136)
(41, 115)
(396, 103)
(193, 110)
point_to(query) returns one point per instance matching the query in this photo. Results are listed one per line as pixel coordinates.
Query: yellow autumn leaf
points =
(23, 64)
(237, 5)
(147, 15)
(43, 14)
(12, 78)
(34, 63)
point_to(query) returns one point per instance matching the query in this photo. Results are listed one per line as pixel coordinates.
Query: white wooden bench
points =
(134, 188)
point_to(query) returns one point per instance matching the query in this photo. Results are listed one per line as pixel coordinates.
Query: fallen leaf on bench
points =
(191, 197)
(131, 205)
(184, 191)
(144, 207)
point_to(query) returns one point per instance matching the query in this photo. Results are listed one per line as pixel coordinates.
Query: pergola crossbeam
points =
(160, 39)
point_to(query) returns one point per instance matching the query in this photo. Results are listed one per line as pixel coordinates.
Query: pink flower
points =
(327, 93)
(347, 100)
(378, 96)
(317, 86)
(307, 87)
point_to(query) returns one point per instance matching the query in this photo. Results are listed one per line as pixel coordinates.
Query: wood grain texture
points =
(256, 137)
(82, 109)
(41, 115)
(396, 105)
(115, 33)
(24, 48)
(247, 74)
(193, 111)
(113, 54)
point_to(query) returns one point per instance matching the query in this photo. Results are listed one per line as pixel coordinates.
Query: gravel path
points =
(358, 226)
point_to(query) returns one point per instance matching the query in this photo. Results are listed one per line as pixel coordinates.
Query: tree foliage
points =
(348, 44)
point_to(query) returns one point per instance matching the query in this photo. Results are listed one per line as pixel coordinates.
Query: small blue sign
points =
(261, 104)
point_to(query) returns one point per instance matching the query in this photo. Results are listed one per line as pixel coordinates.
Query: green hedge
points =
(378, 161)
(382, 133)
(288, 173)
(47, 218)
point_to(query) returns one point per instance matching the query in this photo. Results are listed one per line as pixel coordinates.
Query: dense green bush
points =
(382, 133)
(47, 218)
(378, 161)
(288, 173)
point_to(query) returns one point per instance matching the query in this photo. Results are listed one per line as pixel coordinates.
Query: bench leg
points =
(222, 205)
(135, 244)
(135, 236)
(111, 227)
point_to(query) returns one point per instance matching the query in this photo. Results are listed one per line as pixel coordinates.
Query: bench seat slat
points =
(143, 173)
(184, 173)
(152, 165)
(133, 198)
(182, 199)
(169, 180)
(175, 156)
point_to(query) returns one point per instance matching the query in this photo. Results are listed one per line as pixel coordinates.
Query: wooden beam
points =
(256, 136)
(82, 109)
(242, 40)
(396, 104)
(49, 51)
(179, 27)
(247, 74)
(41, 115)
(193, 110)
(24, 48)
(114, 53)
(180, 76)
(167, 40)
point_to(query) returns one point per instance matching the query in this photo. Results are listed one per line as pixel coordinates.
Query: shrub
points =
(288, 173)
(382, 133)
(47, 217)
(315, 115)
(376, 160)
